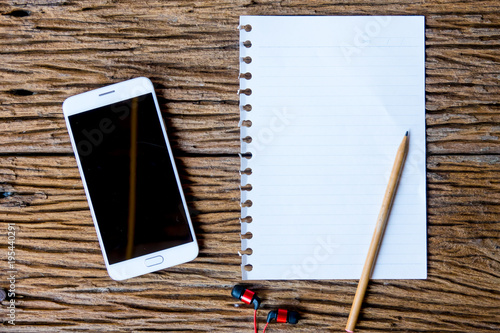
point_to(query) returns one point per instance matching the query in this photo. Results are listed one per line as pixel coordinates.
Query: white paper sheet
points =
(332, 98)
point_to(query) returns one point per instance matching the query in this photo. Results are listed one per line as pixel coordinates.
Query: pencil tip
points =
(406, 133)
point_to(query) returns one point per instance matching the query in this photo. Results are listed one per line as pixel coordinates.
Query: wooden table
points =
(55, 48)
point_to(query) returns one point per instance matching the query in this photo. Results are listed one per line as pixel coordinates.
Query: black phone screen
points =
(130, 178)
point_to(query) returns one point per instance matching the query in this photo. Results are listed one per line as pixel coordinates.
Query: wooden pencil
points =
(378, 234)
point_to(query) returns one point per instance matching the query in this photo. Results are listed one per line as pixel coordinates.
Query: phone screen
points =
(130, 178)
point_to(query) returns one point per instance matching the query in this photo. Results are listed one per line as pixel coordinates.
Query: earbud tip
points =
(293, 317)
(237, 291)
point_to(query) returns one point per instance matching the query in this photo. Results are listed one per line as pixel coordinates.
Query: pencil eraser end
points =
(349, 331)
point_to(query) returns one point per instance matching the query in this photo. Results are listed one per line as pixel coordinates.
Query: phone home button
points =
(153, 261)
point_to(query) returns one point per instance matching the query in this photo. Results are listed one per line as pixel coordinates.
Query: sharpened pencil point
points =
(406, 133)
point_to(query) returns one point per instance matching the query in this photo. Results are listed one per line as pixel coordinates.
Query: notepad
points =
(324, 104)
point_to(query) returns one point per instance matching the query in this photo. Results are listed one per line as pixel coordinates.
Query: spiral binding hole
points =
(247, 219)
(247, 27)
(246, 75)
(247, 203)
(246, 123)
(246, 91)
(247, 171)
(248, 235)
(247, 187)
(248, 268)
(247, 43)
(247, 60)
(247, 139)
(247, 107)
(248, 251)
(247, 155)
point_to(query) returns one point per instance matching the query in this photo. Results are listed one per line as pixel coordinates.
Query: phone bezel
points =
(105, 96)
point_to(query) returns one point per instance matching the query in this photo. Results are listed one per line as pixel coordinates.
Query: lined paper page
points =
(331, 99)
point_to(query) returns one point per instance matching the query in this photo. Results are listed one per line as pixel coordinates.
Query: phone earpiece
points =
(246, 296)
(283, 316)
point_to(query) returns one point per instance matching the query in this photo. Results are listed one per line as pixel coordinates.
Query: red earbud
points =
(283, 316)
(246, 296)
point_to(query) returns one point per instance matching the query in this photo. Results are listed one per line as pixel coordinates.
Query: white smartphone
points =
(130, 179)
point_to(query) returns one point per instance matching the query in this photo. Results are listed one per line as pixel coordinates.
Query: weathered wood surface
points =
(52, 49)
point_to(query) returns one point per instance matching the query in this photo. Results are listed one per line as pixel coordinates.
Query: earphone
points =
(283, 316)
(246, 296)
(249, 297)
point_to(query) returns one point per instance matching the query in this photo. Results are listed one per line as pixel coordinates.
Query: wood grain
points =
(51, 49)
